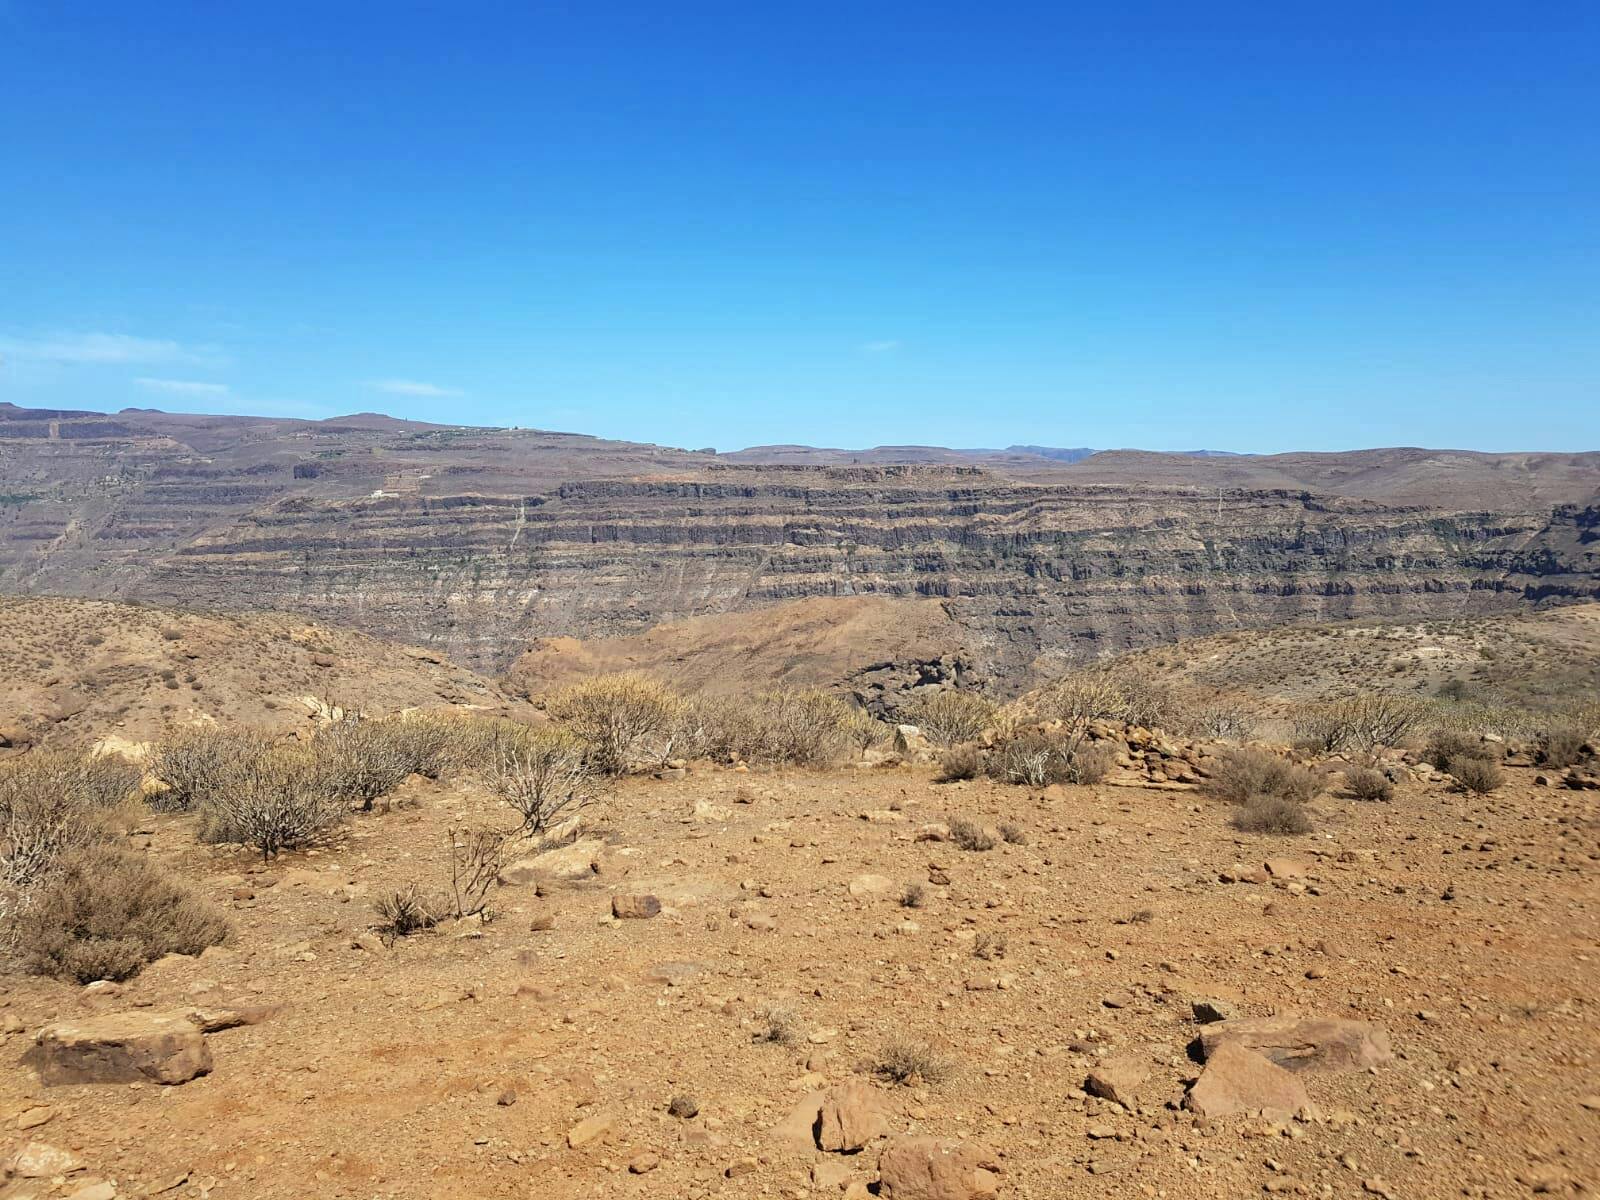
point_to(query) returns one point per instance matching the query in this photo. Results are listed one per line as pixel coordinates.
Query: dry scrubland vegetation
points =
(438, 820)
(74, 905)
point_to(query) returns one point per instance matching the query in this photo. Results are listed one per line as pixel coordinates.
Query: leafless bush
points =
(546, 776)
(808, 729)
(1365, 723)
(361, 760)
(103, 913)
(1246, 772)
(910, 1063)
(477, 856)
(863, 730)
(194, 761)
(949, 717)
(1228, 721)
(403, 912)
(616, 714)
(960, 762)
(46, 810)
(1477, 775)
(969, 835)
(275, 799)
(802, 728)
(914, 896)
(1368, 783)
(1272, 814)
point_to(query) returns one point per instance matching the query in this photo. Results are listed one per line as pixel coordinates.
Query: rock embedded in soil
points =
(1304, 1043)
(131, 1047)
(635, 907)
(930, 1168)
(850, 1117)
(1237, 1080)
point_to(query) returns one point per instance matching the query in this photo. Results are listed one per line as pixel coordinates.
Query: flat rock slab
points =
(1118, 1077)
(1304, 1043)
(929, 1168)
(132, 1047)
(576, 860)
(1239, 1081)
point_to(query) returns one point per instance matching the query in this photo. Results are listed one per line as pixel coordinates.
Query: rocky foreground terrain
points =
(780, 984)
(480, 542)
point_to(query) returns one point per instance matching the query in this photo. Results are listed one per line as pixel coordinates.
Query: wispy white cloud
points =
(412, 387)
(879, 347)
(103, 349)
(184, 387)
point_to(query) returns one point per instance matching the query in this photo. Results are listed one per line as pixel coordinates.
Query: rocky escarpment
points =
(1031, 572)
(479, 541)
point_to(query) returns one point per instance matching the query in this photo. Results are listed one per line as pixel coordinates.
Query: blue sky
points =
(1250, 226)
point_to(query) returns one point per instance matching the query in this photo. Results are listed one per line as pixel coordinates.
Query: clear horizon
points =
(1246, 230)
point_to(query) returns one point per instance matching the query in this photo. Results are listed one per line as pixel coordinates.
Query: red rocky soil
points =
(537, 1055)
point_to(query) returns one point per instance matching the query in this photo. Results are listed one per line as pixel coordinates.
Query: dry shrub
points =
(913, 896)
(910, 1063)
(1272, 814)
(808, 729)
(1247, 772)
(1450, 745)
(1561, 746)
(949, 717)
(1477, 775)
(403, 912)
(1038, 759)
(359, 761)
(1012, 835)
(275, 799)
(863, 730)
(617, 715)
(1368, 783)
(1232, 722)
(1365, 723)
(1107, 694)
(990, 946)
(777, 1026)
(960, 762)
(477, 856)
(802, 728)
(545, 775)
(103, 913)
(50, 804)
(969, 835)
(194, 761)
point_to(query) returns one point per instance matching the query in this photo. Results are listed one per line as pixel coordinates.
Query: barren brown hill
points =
(1542, 660)
(865, 645)
(75, 671)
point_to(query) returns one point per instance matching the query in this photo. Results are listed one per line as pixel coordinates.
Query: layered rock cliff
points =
(478, 542)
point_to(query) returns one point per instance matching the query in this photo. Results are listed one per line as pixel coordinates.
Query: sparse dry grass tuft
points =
(1272, 814)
